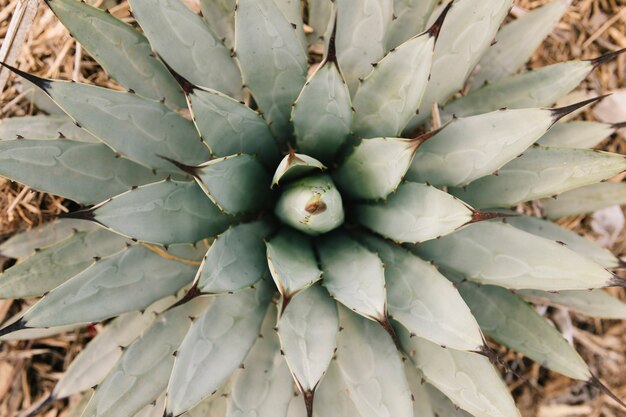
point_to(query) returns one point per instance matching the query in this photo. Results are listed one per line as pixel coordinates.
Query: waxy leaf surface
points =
(414, 213)
(353, 275)
(166, 212)
(186, 44)
(236, 259)
(499, 254)
(120, 49)
(215, 346)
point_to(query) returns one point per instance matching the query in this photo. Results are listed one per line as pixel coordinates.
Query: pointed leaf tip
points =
(391, 331)
(479, 216)
(85, 214)
(602, 59)
(191, 170)
(560, 112)
(13, 327)
(186, 85)
(436, 27)
(594, 381)
(618, 126)
(308, 402)
(331, 54)
(489, 353)
(192, 293)
(617, 281)
(42, 83)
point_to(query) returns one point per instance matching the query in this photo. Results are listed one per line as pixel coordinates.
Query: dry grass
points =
(29, 370)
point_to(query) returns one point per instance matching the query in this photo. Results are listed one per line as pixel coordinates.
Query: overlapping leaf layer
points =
(258, 226)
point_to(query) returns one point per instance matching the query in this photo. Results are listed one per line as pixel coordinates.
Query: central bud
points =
(312, 205)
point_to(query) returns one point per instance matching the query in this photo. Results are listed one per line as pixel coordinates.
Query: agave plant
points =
(258, 226)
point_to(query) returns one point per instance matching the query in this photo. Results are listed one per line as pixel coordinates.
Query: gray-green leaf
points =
(467, 32)
(263, 387)
(541, 172)
(442, 406)
(579, 244)
(228, 127)
(220, 16)
(308, 330)
(322, 114)
(361, 28)
(468, 379)
(85, 172)
(26, 243)
(369, 362)
(236, 259)
(414, 213)
(375, 168)
(292, 262)
(294, 166)
(215, 346)
(52, 266)
(414, 292)
(320, 13)
(499, 254)
(43, 127)
(185, 42)
(353, 275)
(390, 95)
(410, 18)
(537, 88)
(509, 320)
(142, 373)
(166, 212)
(585, 200)
(273, 60)
(94, 362)
(509, 54)
(120, 49)
(595, 303)
(136, 127)
(469, 148)
(577, 134)
(236, 184)
(332, 398)
(98, 292)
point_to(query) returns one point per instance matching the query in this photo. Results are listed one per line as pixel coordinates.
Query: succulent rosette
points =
(258, 223)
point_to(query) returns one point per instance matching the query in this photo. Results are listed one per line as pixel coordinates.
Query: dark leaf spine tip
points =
(42, 83)
(87, 214)
(193, 292)
(479, 216)
(308, 402)
(187, 86)
(391, 331)
(618, 126)
(436, 27)
(617, 281)
(594, 381)
(13, 327)
(191, 170)
(606, 57)
(560, 112)
(331, 54)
